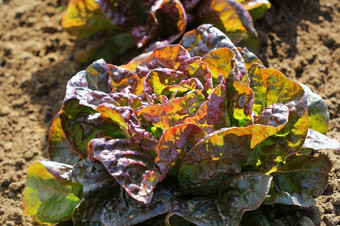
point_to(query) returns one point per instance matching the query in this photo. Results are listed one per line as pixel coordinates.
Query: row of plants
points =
(112, 28)
(199, 132)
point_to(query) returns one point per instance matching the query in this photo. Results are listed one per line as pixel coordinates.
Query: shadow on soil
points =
(279, 25)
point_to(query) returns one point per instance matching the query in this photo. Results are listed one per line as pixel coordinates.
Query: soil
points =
(300, 38)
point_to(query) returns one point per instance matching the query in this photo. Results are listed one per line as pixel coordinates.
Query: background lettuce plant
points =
(198, 132)
(119, 25)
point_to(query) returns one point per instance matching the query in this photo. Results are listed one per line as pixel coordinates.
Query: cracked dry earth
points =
(300, 38)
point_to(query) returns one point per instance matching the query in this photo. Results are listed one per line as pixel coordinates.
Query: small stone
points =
(4, 110)
(305, 221)
(8, 146)
(336, 199)
(328, 207)
(15, 186)
(331, 220)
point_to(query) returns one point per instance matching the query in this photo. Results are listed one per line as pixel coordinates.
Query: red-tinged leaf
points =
(220, 61)
(169, 57)
(199, 211)
(123, 79)
(116, 115)
(211, 115)
(196, 68)
(128, 122)
(243, 192)
(318, 115)
(272, 87)
(300, 180)
(120, 13)
(206, 38)
(240, 99)
(220, 154)
(132, 64)
(274, 115)
(159, 79)
(166, 115)
(84, 18)
(175, 143)
(124, 210)
(132, 167)
(231, 18)
(256, 8)
(318, 141)
(126, 100)
(166, 20)
(81, 124)
(249, 58)
(96, 77)
(189, 4)
(93, 176)
(183, 87)
(48, 188)
(58, 148)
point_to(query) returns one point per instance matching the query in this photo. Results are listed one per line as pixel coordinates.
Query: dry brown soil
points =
(300, 38)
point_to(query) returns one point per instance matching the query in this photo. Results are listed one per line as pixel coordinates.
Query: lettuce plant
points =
(194, 133)
(152, 23)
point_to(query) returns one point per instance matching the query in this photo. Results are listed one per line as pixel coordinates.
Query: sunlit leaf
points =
(256, 8)
(232, 19)
(317, 141)
(211, 115)
(175, 144)
(318, 115)
(175, 111)
(48, 188)
(84, 18)
(272, 87)
(220, 154)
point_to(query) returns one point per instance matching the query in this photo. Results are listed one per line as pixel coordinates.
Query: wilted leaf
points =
(300, 180)
(132, 167)
(243, 192)
(49, 188)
